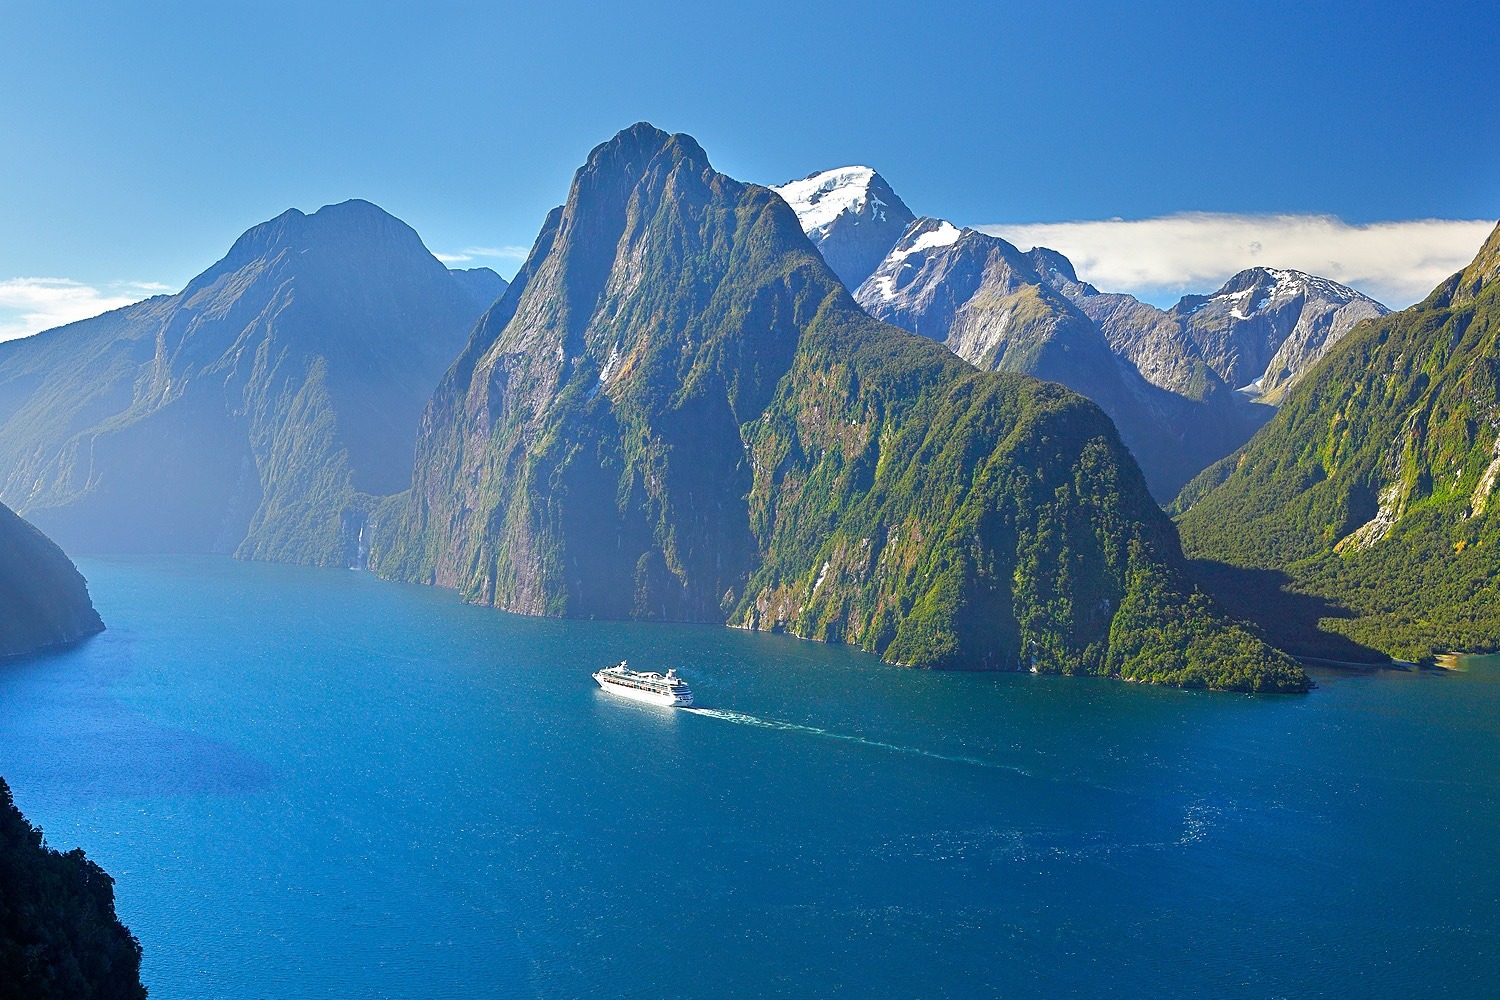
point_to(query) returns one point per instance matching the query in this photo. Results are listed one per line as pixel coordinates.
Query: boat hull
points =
(648, 697)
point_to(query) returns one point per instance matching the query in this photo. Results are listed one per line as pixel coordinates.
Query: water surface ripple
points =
(314, 784)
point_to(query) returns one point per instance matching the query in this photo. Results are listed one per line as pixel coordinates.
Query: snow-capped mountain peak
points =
(1267, 326)
(1254, 290)
(820, 198)
(851, 215)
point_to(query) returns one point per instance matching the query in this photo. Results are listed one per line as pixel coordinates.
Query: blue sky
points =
(140, 139)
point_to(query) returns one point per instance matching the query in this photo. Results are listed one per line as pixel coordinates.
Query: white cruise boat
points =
(667, 690)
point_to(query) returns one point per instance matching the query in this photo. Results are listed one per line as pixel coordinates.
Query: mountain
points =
(1152, 340)
(483, 285)
(677, 412)
(851, 215)
(1260, 332)
(1168, 378)
(44, 600)
(1371, 490)
(59, 936)
(257, 411)
(998, 309)
(1265, 327)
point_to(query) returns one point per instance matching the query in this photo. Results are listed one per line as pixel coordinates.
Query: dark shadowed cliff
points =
(59, 936)
(44, 600)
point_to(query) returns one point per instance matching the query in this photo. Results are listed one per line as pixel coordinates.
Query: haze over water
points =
(315, 784)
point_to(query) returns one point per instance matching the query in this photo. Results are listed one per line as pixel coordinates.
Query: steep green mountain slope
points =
(1373, 486)
(678, 412)
(43, 598)
(258, 411)
(59, 936)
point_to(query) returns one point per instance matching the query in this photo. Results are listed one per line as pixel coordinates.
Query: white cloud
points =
(470, 253)
(31, 305)
(1161, 259)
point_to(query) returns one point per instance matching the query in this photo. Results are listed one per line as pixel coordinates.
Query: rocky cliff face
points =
(1373, 487)
(678, 412)
(1265, 328)
(1259, 333)
(44, 601)
(851, 215)
(258, 411)
(1152, 340)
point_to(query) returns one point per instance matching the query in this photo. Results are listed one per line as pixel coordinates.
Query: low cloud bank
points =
(472, 253)
(31, 305)
(1161, 259)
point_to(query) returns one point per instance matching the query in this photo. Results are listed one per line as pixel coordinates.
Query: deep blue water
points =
(315, 784)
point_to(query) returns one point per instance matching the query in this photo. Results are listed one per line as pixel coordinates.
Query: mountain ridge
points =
(1172, 383)
(990, 304)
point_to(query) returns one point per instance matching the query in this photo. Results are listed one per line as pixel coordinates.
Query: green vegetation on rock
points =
(1372, 490)
(677, 412)
(1007, 311)
(59, 936)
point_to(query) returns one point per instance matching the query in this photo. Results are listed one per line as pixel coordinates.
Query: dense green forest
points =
(59, 936)
(1371, 493)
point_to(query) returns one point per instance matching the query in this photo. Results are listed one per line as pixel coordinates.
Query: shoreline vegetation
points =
(60, 938)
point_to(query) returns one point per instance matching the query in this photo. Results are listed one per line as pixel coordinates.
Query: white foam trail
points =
(739, 718)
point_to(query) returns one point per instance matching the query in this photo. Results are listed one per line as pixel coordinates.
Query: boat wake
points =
(741, 719)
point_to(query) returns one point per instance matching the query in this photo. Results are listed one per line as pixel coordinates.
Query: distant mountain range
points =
(1166, 377)
(678, 412)
(483, 285)
(1259, 333)
(258, 411)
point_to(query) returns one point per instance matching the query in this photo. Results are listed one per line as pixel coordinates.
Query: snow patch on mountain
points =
(851, 215)
(944, 235)
(821, 198)
(924, 236)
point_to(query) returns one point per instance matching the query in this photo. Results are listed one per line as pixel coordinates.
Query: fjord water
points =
(311, 783)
